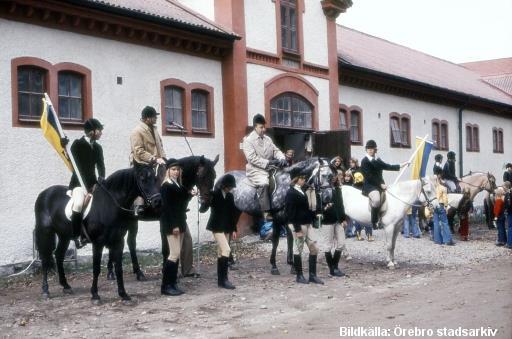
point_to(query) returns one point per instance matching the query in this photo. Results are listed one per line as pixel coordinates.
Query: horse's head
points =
(490, 186)
(321, 174)
(205, 178)
(428, 193)
(149, 179)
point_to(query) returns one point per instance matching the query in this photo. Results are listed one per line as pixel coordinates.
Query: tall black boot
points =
(335, 260)
(328, 260)
(375, 217)
(224, 282)
(231, 262)
(169, 279)
(297, 261)
(76, 223)
(174, 276)
(312, 270)
(165, 277)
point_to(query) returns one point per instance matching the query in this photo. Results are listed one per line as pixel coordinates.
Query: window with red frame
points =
(70, 96)
(343, 119)
(289, 26)
(32, 83)
(291, 110)
(472, 138)
(199, 110)
(173, 105)
(399, 130)
(497, 140)
(355, 127)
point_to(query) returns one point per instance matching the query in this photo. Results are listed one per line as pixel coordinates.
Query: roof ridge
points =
(403, 46)
(198, 15)
(486, 60)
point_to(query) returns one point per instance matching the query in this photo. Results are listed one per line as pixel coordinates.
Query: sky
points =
(454, 30)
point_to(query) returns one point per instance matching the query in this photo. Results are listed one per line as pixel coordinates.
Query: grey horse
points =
(319, 174)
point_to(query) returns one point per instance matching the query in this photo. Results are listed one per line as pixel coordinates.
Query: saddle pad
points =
(68, 211)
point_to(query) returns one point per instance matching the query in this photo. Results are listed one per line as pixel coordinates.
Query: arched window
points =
(199, 110)
(400, 130)
(343, 117)
(355, 127)
(440, 134)
(71, 96)
(32, 83)
(292, 111)
(472, 138)
(497, 140)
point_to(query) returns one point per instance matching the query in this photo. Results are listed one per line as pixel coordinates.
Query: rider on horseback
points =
(88, 155)
(438, 169)
(261, 154)
(147, 146)
(374, 186)
(449, 177)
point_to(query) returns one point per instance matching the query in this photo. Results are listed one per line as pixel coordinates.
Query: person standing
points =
(173, 223)
(88, 155)
(508, 210)
(463, 209)
(222, 223)
(410, 224)
(499, 216)
(290, 156)
(441, 231)
(261, 153)
(299, 220)
(374, 186)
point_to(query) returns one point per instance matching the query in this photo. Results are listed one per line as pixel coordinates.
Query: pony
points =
(319, 173)
(105, 224)
(399, 197)
(197, 171)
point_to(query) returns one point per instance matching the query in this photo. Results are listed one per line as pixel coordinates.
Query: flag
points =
(419, 164)
(50, 125)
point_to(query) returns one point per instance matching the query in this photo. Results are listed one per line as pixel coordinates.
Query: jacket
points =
(449, 171)
(259, 151)
(223, 213)
(88, 157)
(297, 209)
(507, 176)
(372, 172)
(174, 207)
(336, 212)
(146, 146)
(437, 170)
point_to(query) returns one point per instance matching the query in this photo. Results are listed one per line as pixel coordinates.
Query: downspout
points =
(461, 158)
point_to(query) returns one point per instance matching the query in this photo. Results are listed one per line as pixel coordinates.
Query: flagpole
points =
(411, 158)
(62, 135)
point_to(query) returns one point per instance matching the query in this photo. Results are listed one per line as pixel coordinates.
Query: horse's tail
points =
(44, 236)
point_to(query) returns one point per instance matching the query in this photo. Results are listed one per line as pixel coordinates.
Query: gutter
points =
(461, 153)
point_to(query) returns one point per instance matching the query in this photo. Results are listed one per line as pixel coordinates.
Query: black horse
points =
(105, 225)
(197, 171)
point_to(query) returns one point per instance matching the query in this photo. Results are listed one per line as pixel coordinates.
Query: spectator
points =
(508, 209)
(441, 232)
(410, 225)
(499, 216)
(464, 208)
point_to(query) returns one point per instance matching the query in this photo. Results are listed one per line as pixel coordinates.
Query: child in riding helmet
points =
(222, 223)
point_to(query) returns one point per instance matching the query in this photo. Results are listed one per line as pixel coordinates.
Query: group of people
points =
(503, 209)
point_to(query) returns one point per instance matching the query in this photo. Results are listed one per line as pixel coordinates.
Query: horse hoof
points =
(275, 271)
(96, 301)
(141, 276)
(111, 276)
(45, 295)
(396, 264)
(391, 266)
(128, 302)
(67, 290)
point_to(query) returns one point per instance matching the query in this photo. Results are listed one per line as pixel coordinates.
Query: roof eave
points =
(153, 19)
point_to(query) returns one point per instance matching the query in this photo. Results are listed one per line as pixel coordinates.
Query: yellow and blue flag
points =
(50, 125)
(419, 164)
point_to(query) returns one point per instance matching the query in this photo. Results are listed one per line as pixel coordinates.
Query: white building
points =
(221, 62)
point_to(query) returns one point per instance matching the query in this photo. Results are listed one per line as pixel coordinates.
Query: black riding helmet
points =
(296, 173)
(172, 162)
(228, 181)
(451, 155)
(91, 125)
(371, 144)
(438, 157)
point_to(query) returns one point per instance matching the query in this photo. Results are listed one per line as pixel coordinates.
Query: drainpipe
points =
(461, 158)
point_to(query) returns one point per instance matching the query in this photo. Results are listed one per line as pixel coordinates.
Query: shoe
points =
(370, 238)
(336, 272)
(450, 243)
(138, 210)
(500, 244)
(358, 236)
(192, 275)
(222, 274)
(169, 277)
(312, 271)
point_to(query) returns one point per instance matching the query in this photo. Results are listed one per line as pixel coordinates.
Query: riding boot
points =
(169, 279)
(174, 277)
(375, 217)
(297, 261)
(165, 277)
(312, 270)
(223, 276)
(231, 262)
(76, 223)
(328, 260)
(335, 260)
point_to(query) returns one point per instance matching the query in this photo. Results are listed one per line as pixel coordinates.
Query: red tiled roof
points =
(372, 53)
(490, 67)
(167, 10)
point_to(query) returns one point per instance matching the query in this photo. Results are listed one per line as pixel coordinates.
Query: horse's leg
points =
(60, 252)
(110, 267)
(390, 246)
(133, 229)
(396, 230)
(276, 228)
(45, 243)
(289, 243)
(97, 251)
(118, 262)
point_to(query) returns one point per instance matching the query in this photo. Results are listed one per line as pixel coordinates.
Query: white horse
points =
(399, 197)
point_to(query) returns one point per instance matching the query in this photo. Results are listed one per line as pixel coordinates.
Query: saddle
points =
(86, 208)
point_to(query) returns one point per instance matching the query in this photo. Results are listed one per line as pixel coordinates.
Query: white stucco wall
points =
(257, 75)
(315, 33)
(204, 7)
(422, 113)
(260, 25)
(29, 164)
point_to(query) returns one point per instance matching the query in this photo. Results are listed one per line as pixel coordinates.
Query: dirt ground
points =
(414, 296)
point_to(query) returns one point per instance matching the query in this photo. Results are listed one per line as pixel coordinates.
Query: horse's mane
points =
(472, 173)
(120, 178)
(306, 165)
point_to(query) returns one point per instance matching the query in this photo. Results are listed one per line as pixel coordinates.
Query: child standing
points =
(499, 216)
(464, 208)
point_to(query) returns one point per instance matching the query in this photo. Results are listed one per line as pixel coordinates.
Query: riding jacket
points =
(507, 176)
(437, 170)
(259, 151)
(175, 200)
(297, 209)
(223, 213)
(372, 172)
(146, 144)
(335, 213)
(88, 156)
(449, 171)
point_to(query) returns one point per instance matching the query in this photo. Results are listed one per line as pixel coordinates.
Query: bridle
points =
(428, 201)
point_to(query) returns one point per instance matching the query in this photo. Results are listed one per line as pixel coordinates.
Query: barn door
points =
(331, 143)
